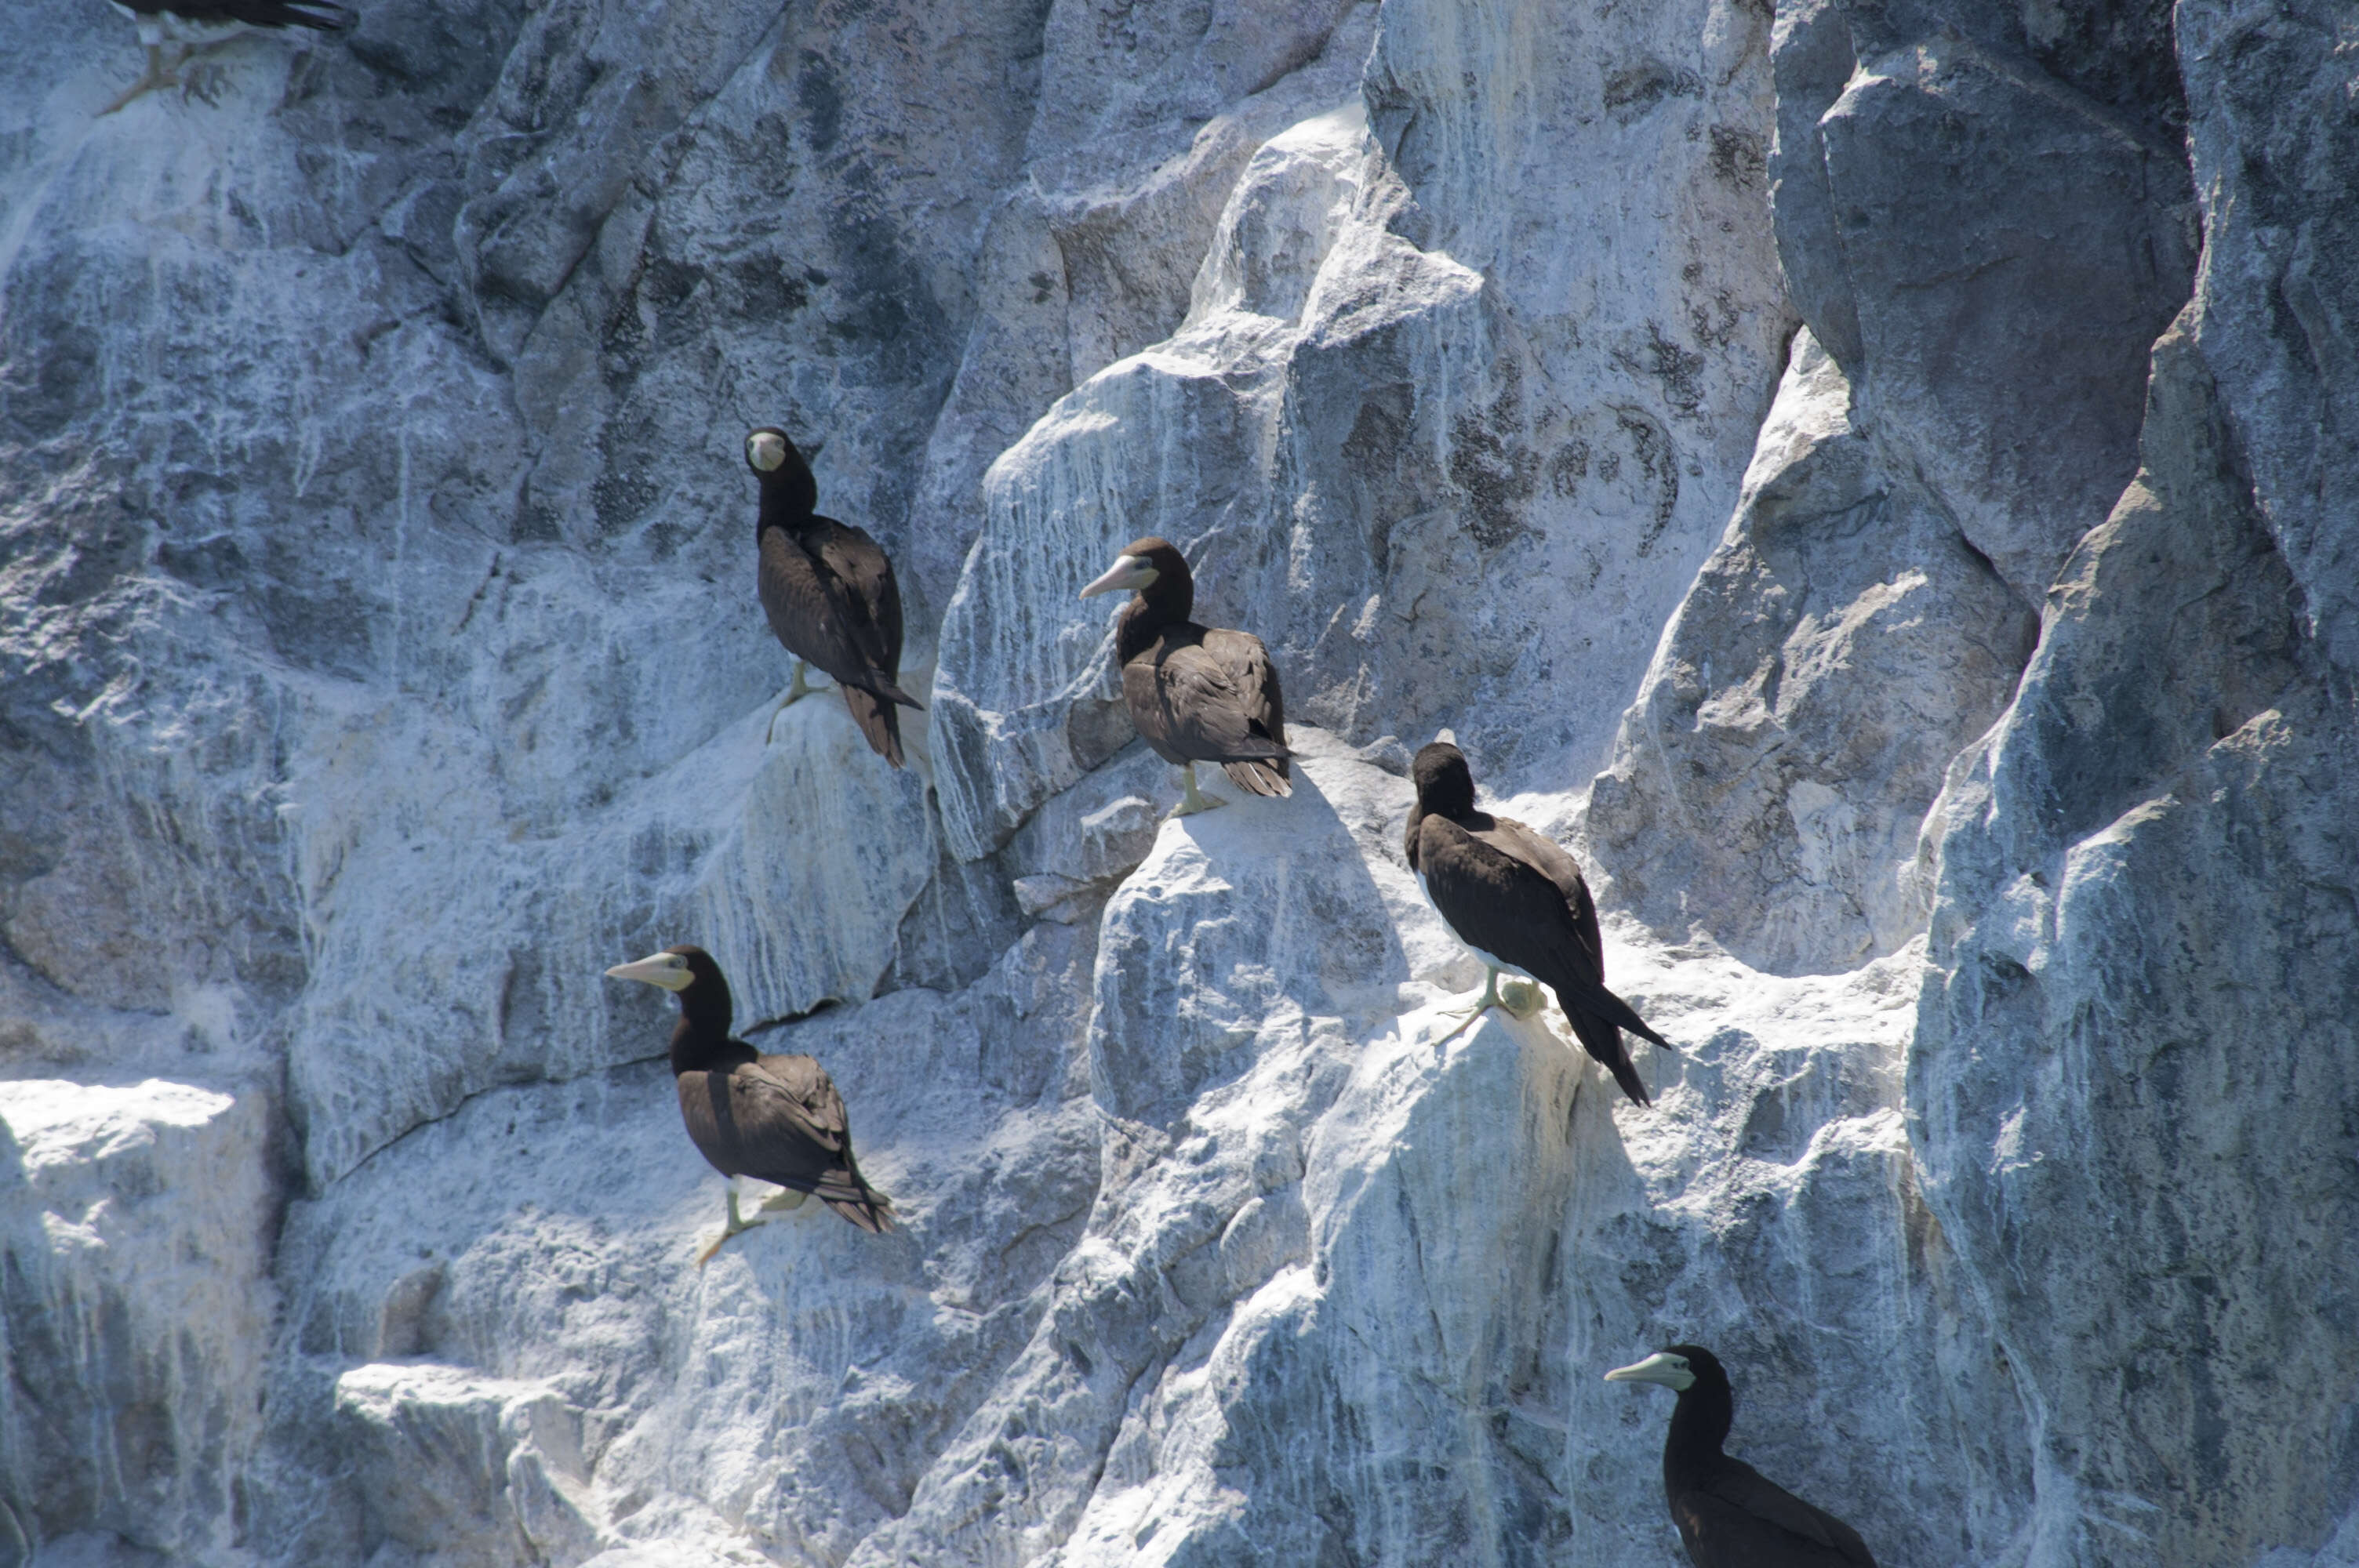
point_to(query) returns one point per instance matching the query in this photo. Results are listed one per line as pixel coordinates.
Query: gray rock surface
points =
(1836, 651)
(378, 663)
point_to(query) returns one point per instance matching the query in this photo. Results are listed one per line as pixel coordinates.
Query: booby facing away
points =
(196, 25)
(1197, 694)
(1729, 1514)
(1521, 902)
(828, 591)
(776, 1119)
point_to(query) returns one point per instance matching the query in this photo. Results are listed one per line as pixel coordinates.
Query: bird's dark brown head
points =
(1156, 569)
(1445, 787)
(778, 463)
(688, 972)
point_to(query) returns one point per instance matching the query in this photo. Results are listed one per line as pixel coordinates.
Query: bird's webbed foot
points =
(780, 1203)
(800, 689)
(203, 82)
(737, 1225)
(1483, 1004)
(158, 74)
(1191, 799)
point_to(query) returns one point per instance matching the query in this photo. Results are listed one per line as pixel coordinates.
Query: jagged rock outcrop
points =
(2132, 1066)
(1901, 443)
(1835, 651)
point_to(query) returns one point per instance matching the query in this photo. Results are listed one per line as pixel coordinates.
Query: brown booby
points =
(1729, 1514)
(776, 1119)
(1197, 694)
(196, 25)
(828, 591)
(1521, 902)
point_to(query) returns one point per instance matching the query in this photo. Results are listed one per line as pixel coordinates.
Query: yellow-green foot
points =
(158, 75)
(800, 689)
(736, 1226)
(1483, 1004)
(1191, 799)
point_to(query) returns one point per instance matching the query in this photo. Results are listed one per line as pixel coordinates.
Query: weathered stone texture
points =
(379, 663)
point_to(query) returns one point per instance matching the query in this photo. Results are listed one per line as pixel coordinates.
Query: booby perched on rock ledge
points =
(776, 1119)
(1521, 902)
(828, 590)
(1197, 694)
(1729, 1514)
(196, 25)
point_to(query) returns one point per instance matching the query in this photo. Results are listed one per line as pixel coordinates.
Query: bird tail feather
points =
(872, 1211)
(1261, 777)
(1576, 991)
(325, 15)
(1605, 1044)
(877, 720)
(848, 1192)
(891, 692)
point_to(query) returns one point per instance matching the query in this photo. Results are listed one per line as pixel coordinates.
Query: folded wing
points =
(780, 1119)
(1213, 700)
(1759, 1524)
(1501, 904)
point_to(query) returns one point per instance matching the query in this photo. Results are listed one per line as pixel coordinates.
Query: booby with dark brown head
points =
(828, 590)
(1520, 900)
(1197, 694)
(1729, 1514)
(776, 1119)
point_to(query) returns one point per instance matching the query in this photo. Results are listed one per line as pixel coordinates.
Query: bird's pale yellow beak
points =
(1661, 1368)
(668, 970)
(1127, 571)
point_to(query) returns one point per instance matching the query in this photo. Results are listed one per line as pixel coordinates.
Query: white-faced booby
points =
(776, 1119)
(1729, 1514)
(1520, 900)
(828, 590)
(1197, 694)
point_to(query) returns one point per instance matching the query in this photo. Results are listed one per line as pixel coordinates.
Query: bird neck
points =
(701, 1039)
(1700, 1425)
(788, 497)
(1162, 603)
(1447, 796)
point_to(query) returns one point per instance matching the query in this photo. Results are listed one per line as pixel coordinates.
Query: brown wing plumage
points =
(861, 565)
(1247, 664)
(1601, 1039)
(780, 1119)
(1553, 860)
(1195, 703)
(1515, 911)
(867, 573)
(1740, 1519)
(830, 598)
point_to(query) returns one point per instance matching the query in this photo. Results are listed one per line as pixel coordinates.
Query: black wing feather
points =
(1519, 913)
(831, 600)
(1738, 1518)
(1247, 664)
(322, 15)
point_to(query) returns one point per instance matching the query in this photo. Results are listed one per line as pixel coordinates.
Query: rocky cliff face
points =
(1878, 479)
